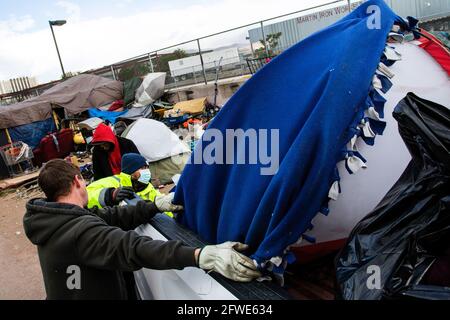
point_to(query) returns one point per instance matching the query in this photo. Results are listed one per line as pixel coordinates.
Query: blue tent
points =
(307, 105)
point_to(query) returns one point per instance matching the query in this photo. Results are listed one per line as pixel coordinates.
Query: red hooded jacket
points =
(104, 133)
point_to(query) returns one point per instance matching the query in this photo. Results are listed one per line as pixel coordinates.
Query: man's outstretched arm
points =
(127, 217)
(105, 247)
(101, 246)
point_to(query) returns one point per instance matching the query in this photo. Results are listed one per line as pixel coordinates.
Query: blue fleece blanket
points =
(315, 94)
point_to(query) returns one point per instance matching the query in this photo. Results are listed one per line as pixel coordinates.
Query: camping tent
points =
(75, 95)
(160, 146)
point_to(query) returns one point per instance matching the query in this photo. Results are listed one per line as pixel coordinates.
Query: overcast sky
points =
(101, 32)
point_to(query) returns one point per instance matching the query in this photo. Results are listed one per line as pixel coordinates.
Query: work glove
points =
(164, 203)
(226, 260)
(122, 193)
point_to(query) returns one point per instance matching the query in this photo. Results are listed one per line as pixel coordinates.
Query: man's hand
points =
(122, 193)
(164, 203)
(226, 260)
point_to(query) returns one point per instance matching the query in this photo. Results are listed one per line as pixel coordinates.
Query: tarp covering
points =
(151, 89)
(32, 133)
(154, 140)
(110, 116)
(191, 106)
(75, 95)
(136, 113)
(316, 95)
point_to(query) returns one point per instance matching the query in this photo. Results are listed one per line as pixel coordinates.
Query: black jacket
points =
(100, 243)
(100, 162)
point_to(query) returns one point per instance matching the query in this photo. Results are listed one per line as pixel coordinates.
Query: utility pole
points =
(58, 23)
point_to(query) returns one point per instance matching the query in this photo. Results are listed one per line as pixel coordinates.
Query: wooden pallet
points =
(17, 181)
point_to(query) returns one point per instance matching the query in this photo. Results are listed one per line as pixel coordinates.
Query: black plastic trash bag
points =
(390, 251)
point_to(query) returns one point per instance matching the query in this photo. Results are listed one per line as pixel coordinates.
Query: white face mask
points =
(145, 176)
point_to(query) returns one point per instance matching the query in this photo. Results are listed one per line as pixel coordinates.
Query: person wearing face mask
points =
(132, 182)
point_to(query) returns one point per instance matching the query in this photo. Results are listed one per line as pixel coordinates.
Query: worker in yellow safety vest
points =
(133, 181)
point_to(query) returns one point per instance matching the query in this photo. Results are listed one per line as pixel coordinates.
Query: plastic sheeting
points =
(32, 133)
(389, 251)
(154, 140)
(151, 89)
(136, 113)
(110, 116)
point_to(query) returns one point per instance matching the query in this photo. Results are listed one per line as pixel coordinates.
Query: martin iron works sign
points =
(338, 11)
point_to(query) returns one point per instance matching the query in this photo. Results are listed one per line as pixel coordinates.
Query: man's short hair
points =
(56, 178)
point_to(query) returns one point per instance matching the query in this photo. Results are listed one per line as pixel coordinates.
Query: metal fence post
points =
(264, 39)
(151, 62)
(349, 6)
(201, 61)
(195, 77)
(175, 81)
(113, 72)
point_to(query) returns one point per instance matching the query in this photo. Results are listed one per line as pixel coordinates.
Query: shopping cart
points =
(18, 158)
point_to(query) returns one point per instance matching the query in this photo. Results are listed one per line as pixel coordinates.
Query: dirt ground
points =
(20, 272)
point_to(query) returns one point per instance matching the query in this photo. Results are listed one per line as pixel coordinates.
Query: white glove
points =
(164, 203)
(225, 259)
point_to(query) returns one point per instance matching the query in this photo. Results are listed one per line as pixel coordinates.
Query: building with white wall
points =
(296, 29)
(17, 84)
(193, 64)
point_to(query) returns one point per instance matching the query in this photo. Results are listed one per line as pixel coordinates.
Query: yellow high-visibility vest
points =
(97, 190)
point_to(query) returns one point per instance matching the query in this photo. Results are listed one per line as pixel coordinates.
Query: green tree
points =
(271, 41)
(162, 63)
(133, 70)
(180, 54)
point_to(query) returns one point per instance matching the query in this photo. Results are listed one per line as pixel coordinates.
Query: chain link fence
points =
(218, 56)
(222, 55)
